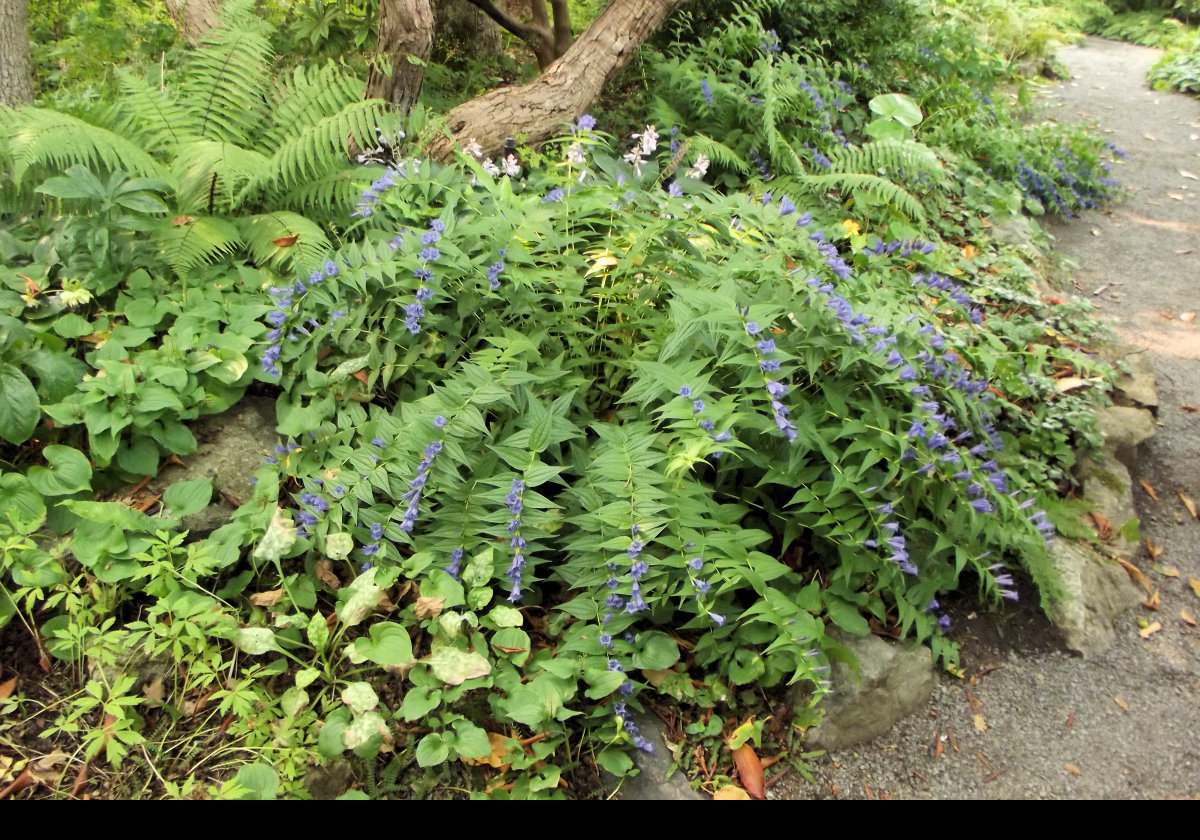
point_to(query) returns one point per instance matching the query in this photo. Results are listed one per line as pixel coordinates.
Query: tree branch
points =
(563, 35)
(528, 33)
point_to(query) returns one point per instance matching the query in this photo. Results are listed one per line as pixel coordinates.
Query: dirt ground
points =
(1038, 722)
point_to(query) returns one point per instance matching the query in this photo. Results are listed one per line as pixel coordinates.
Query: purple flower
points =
(555, 195)
(587, 122)
(706, 91)
(685, 390)
(429, 254)
(376, 531)
(698, 406)
(454, 569)
(696, 564)
(752, 327)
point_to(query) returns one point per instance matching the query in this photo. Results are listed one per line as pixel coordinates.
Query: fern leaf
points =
(720, 154)
(265, 233)
(212, 175)
(36, 138)
(333, 193)
(195, 242)
(150, 115)
(308, 97)
(876, 189)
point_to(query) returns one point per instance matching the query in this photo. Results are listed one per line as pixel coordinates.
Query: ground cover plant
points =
(612, 419)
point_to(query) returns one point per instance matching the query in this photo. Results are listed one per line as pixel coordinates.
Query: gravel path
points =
(1125, 725)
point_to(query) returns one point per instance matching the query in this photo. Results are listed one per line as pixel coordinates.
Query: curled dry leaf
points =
(1153, 602)
(266, 599)
(1153, 549)
(731, 792)
(1187, 617)
(1190, 505)
(286, 241)
(1136, 574)
(750, 771)
(429, 607)
(324, 572)
(1149, 488)
(1072, 769)
(1070, 383)
(155, 690)
(1150, 629)
(1124, 706)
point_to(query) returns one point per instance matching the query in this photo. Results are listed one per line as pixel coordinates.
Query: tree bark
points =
(405, 31)
(547, 42)
(565, 91)
(461, 23)
(193, 18)
(16, 67)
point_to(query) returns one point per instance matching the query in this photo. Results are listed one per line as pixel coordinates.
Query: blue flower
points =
(706, 90)
(752, 327)
(685, 390)
(376, 531)
(440, 422)
(429, 254)
(786, 207)
(587, 122)
(674, 190)
(698, 406)
(331, 269)
(556, 194)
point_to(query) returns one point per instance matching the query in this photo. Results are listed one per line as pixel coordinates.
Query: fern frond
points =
(262, 234)
(312, 94)
(229, 77)
(890, 156)
(151, 115)
(198, 241)
(325, 145)
(783, 156)
(720, 154)
(335, 192)
(200, 162)
(36, 137)
(865, 187)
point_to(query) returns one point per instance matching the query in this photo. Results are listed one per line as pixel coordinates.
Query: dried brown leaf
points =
(1124, 706)
(1187, 617)
(1194, 409)
(1136, 574)
(497, 757)
(1190, 505)
(1103, 525)
(324, 572)
(266, 599)
(286, 241)
(1178, 196)
(155, 690)
(1153, 602)
(731, 792)
(1072, 769)
(1149, 488)
(7, 687)
(1069, 383)
(980, 722)
(1150, 629)
(750, 771)
(974, 702)
(1153, 549)
(427, 607)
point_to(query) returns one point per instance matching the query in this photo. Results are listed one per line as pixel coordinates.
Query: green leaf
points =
(37, 569)
(175, 437)
(657, 651)
(21, 501)
(505, 616)
(259, 779)
(454, 667)
(846, 616)
(306, 677)
(317, 632)
(255, 640)
(615, 761)
(187, 497)
(338, 546)
(19, 406)
(512, 642)
(280, 536)
(70, 325)
(331, 742)
(139, 456)
(898, 107)
(119, 515)
(152, 399)
(362, 597)
(389, 644)
(602, 682)
(432, 750)
(360, 697)
(471, 741)
(69, 472)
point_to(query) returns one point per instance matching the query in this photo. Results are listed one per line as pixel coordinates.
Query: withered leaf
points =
(1153, 602)
(1153, 549)
(155, 690)
(1195, 584)
(1072, 769)
(974, 702)
(1190, 505)
(1103, 525)
(497, 756)
(286, 241)
(731, 792)
(7, 687)
(1166, 571)
(360, 375)
(427, 607)
(1136, 574)
(1124, 706)
(750, 771)
(1178, 196)
(1149, 488)
(1194, 409)
(324, 571)
(266, 599)
(1150, 629)
(1187, 617)
(980, 722)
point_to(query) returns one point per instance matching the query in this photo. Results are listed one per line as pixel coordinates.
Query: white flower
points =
(575, 155)
(699, 168)
(511, 168)
(649, 141)
(473, 149)
(74, 297)
(491, 168)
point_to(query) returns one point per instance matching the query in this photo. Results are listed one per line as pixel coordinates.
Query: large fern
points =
(37, 139)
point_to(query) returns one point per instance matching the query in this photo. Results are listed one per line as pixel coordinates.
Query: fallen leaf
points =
(1124, 706)
(324, 572)
(731, 792)
(1150, 629)
(1187, 316)
(1103, 525)
(266, 599)
(970, 251)
(498, 754)
(1187, 616)
(939, 747)
(155, 690)
(1136, 574)
(180, 221)
(45, 769)
(1195, 584)
(1167, 571)
(1153, 549)
(1070, 383)
(1072, 769)
(361, 376)
(980, 722)
(1071, 720)
(1149, 488)
(1187, 174)
(1169, 314)
(1190, 505)
(1195, 409)
(427, 607)
(974, 702)
(1150, 137)
(750, 771)
(286, 241)
(1178, 196)
(1153, 602)
(7, 687)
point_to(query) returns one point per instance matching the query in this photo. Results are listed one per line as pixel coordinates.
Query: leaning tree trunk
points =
(16, 68)
(406, 39)
(468, 29)
(568, 87)
(193, 18)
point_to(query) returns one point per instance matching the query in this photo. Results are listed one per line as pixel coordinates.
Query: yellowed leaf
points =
(1069, 383)
(1149, 488)
(266, 599)
(731, 792)
(1187, 316)
(1187, 616)
(155, 690)
(1153, 549)
(1190, 505)
(1178, 196)
(1153, 602)
(1124, 706)
(7, 687)
(603, 263)
(497, 757)
(980, 722)
(1072, 769)
(429, 607)
(657, 678)
(1195, 584)
(1136, 574)
(1150, 629)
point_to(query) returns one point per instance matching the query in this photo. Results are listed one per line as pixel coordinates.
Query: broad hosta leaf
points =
(255, 640)
(362, 597)
(260, 780)
(19, 407)
(454, 667)
(187, 497)
(19, 499)
(280, 536)
(389, 644)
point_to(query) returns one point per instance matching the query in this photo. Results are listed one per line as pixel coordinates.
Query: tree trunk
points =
(193, 18)
(16, 68)
(565, 91)
(470, 30)
(405, 33)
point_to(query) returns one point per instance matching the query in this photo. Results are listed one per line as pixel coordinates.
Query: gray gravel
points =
(1127, 724)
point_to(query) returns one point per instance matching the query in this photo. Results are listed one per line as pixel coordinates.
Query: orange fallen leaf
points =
(1169, 314)
(1149, 488)
(1150, 629)
(1136, 574)
(980, 722)
(7, 687)
(266, 599)
(360, 375)
(497, 757)
(1103, 525)
(1072, 769)
(731, 792)
(974, 702)
(970, 251)
(1071, 720)
(427, 607)
(1195, 409)
(1190, 505)
(1153, 602)
(1187, 617)
(1153, 549)
(750, 771)
(286, 241)
(1195, 584)
(1124, 706)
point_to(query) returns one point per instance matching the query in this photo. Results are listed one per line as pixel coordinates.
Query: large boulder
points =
(1097, 592)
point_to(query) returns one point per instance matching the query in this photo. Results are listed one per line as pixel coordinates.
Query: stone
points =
(1097, 592)
(655, 779)
(1019, 232)
(1138, 385)
(894, 680)
(329, 782)
(1125, 427)
(1108, 491)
